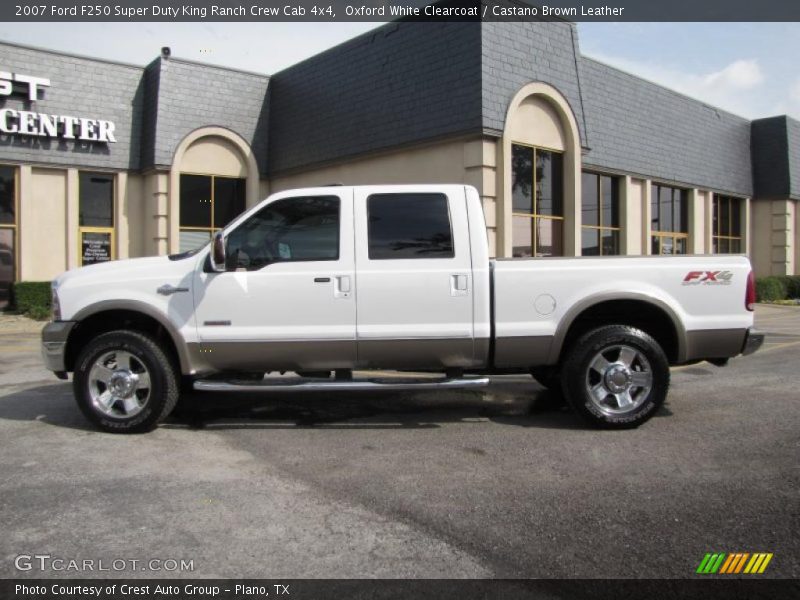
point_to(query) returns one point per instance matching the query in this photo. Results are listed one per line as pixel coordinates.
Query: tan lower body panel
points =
(523, 351)
(323, 355)
(714, 343)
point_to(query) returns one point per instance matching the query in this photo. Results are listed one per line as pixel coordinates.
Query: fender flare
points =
(147, 310)
(579, 307)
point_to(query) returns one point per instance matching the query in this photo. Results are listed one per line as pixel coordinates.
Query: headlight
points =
(54, 302)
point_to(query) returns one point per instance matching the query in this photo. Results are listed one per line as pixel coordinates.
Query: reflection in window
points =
(600, 227)
(287, 230)
(727, 225)
(8, 232)
(669, 209)
(8, 196)
(208, 203)
(537, 198)
(409, 226)
(96, 201)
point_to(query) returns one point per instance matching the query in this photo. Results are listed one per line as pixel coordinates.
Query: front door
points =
(286, 301)
(414, 278)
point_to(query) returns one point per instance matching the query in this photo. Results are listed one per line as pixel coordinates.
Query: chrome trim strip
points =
(342, 385)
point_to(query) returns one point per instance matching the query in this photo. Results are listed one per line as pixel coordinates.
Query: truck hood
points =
(126, 282)
(112, 270)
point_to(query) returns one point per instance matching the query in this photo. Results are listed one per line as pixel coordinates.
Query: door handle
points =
(342, 287)
(322, 279)
(343, 283)
(459, 284)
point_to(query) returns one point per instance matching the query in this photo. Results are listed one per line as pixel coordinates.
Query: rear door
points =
(414, 277)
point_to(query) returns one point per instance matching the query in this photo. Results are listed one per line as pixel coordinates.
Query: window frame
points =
(213, 229)
(111, 231)
(336, 258)
(716, 222)
(601, 228)
(451, 256)
(14, 227)
(675, 236)
(534, 216)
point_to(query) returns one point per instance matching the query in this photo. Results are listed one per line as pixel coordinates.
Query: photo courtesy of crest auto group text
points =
(464, 298)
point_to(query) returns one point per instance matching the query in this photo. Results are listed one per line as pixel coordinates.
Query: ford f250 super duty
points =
(324, 281)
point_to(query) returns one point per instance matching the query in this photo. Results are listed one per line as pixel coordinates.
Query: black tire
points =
(610, 360)
(548, 377)
(145, 357)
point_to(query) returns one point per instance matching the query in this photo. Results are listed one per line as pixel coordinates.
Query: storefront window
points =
(727, 228)
(208, 203)
(669, 220)
(537, 201)
(96, 217)
(600, 210)
(8, 232)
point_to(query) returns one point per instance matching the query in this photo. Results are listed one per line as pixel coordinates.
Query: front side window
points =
(537, 201)
(287, 230)
(8, 232)
(727, 228)
(409, 226)
(600, 228)
(208, 203)
(669, 208)
(96, 217)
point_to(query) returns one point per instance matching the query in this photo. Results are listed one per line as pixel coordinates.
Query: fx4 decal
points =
(708, 278)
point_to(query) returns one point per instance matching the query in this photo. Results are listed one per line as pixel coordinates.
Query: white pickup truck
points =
(324, 281)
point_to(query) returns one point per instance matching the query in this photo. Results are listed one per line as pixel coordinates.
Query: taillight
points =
(750, 293)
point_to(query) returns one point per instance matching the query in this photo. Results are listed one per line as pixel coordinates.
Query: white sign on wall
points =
(25, 122)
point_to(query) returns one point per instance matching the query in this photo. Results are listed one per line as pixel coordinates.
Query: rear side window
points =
(409, 226)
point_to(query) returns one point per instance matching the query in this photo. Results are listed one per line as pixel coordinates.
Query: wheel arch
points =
(125, 314)
(652, 315)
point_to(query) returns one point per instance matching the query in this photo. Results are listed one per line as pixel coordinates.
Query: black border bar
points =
(388, 10)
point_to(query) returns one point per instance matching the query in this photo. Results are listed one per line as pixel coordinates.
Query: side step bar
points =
(209, 385)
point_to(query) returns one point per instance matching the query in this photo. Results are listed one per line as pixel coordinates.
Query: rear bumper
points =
(752, 341)
(54, 346)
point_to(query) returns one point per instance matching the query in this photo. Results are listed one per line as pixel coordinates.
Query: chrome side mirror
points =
(217, 255)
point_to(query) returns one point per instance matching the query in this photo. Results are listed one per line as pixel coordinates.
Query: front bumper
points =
(54, 346)
(752, 341)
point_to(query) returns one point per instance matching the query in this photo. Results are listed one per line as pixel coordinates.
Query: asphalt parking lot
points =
(502, 483)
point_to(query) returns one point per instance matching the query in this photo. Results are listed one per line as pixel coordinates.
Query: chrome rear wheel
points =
(615, 376)
(619, 379)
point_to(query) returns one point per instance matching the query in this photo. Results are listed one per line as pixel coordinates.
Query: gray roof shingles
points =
(642, 128)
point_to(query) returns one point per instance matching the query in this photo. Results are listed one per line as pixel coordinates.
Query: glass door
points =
(96, 220)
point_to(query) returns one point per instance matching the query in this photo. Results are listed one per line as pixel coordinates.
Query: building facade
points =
(102, 161)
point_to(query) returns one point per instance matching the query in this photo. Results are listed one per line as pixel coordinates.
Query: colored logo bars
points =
(734, 562)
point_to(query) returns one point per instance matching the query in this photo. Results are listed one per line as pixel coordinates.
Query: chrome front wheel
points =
(125, 382)
(119, 384)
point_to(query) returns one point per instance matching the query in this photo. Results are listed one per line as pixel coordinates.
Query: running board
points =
(206, 385)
